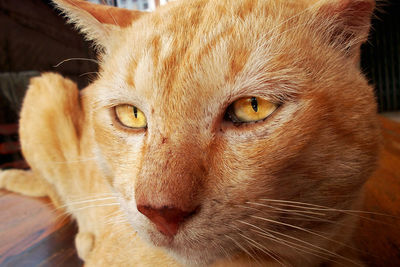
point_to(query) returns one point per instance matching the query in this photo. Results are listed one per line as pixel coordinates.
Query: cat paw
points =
(2, 179)
(24, 182)
(84, 243)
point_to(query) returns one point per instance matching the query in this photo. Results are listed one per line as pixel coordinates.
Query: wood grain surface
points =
(33, 233)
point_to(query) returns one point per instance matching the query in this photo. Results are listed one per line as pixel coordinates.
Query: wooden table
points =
(33, 233)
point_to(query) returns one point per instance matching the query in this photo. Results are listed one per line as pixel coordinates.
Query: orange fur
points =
(182, 65)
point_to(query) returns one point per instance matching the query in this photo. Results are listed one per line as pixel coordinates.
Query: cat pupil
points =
(135, 112)
(254, 104)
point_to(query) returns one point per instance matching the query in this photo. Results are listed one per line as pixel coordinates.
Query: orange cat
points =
(217, 133)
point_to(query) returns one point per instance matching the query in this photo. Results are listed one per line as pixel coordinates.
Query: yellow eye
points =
(131, 116)
(250, 109)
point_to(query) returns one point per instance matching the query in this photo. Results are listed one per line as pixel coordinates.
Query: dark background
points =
(381, 55)
(34, 38)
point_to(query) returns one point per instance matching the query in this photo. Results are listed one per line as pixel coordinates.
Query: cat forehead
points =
(200, 51)
(208, 49)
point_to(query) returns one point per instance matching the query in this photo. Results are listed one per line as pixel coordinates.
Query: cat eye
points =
(130, 116)
(249, 109)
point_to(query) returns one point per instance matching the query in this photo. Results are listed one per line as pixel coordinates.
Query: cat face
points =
(202, 181)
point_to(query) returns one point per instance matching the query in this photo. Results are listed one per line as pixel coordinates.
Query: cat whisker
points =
(72, 161)
(284, 211)
(221, 248)
(66, 212)
(93, 197)
(268, 235)
(263, 249)
(118, 218)
(114, 214)
(77, 201)
(309, 218)
(302, 205)
(88, 73)
(301, 229)
(280, 209)
(96, 206)
(300, 216)
(241, 247)
(76, 58)
(315, 250)
(85, 201)
(76, 198)
(325, 251)
(122, 228)
(355, 213)
(115, 222)
(64, 215)
(296, 246)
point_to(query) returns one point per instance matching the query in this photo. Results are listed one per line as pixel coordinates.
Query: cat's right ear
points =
(97, 22)
(347, 23)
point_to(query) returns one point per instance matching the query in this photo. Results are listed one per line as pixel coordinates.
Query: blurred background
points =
(34, 38)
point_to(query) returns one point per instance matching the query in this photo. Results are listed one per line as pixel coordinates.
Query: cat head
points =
(224, 125)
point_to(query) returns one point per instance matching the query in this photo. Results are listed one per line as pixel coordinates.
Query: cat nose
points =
(166, 219)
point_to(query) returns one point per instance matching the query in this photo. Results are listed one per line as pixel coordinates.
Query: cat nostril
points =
(166, 219)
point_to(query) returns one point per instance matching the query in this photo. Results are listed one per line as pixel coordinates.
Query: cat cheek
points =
(118, 151)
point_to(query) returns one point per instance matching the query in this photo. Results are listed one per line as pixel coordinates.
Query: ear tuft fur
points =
(351, 21)
(97, 22)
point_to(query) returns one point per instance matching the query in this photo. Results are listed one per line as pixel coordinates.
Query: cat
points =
(224, 133)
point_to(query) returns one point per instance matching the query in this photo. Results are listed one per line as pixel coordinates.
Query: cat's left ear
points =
(97, 22)
(349, 22)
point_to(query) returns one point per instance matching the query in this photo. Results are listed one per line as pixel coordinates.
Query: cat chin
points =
(195, 260)
(193, 257)
(176, 247)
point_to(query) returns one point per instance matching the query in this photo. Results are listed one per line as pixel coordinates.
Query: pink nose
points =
(166, 219)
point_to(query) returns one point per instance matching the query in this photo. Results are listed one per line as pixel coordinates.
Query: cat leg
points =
(23, 182)
(50, 129)
(27, 183)
(84, 242)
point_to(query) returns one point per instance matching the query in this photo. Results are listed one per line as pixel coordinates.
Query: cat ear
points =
(97, 22)
(350, 22)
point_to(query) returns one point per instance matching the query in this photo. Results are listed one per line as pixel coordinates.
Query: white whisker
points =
(241, 247)
(85, 201)
(295, 246)
(72, 161)
(304, 230)
(316, 251)
(355, 213)
(88, 73)
(299, 211)
(76, 58)
(96, 206)
(263, 249)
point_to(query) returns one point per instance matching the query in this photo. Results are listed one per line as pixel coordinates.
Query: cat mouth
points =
(168, 221)
(182, 247)
(169, 236)
(160, 240)
(159, 233)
